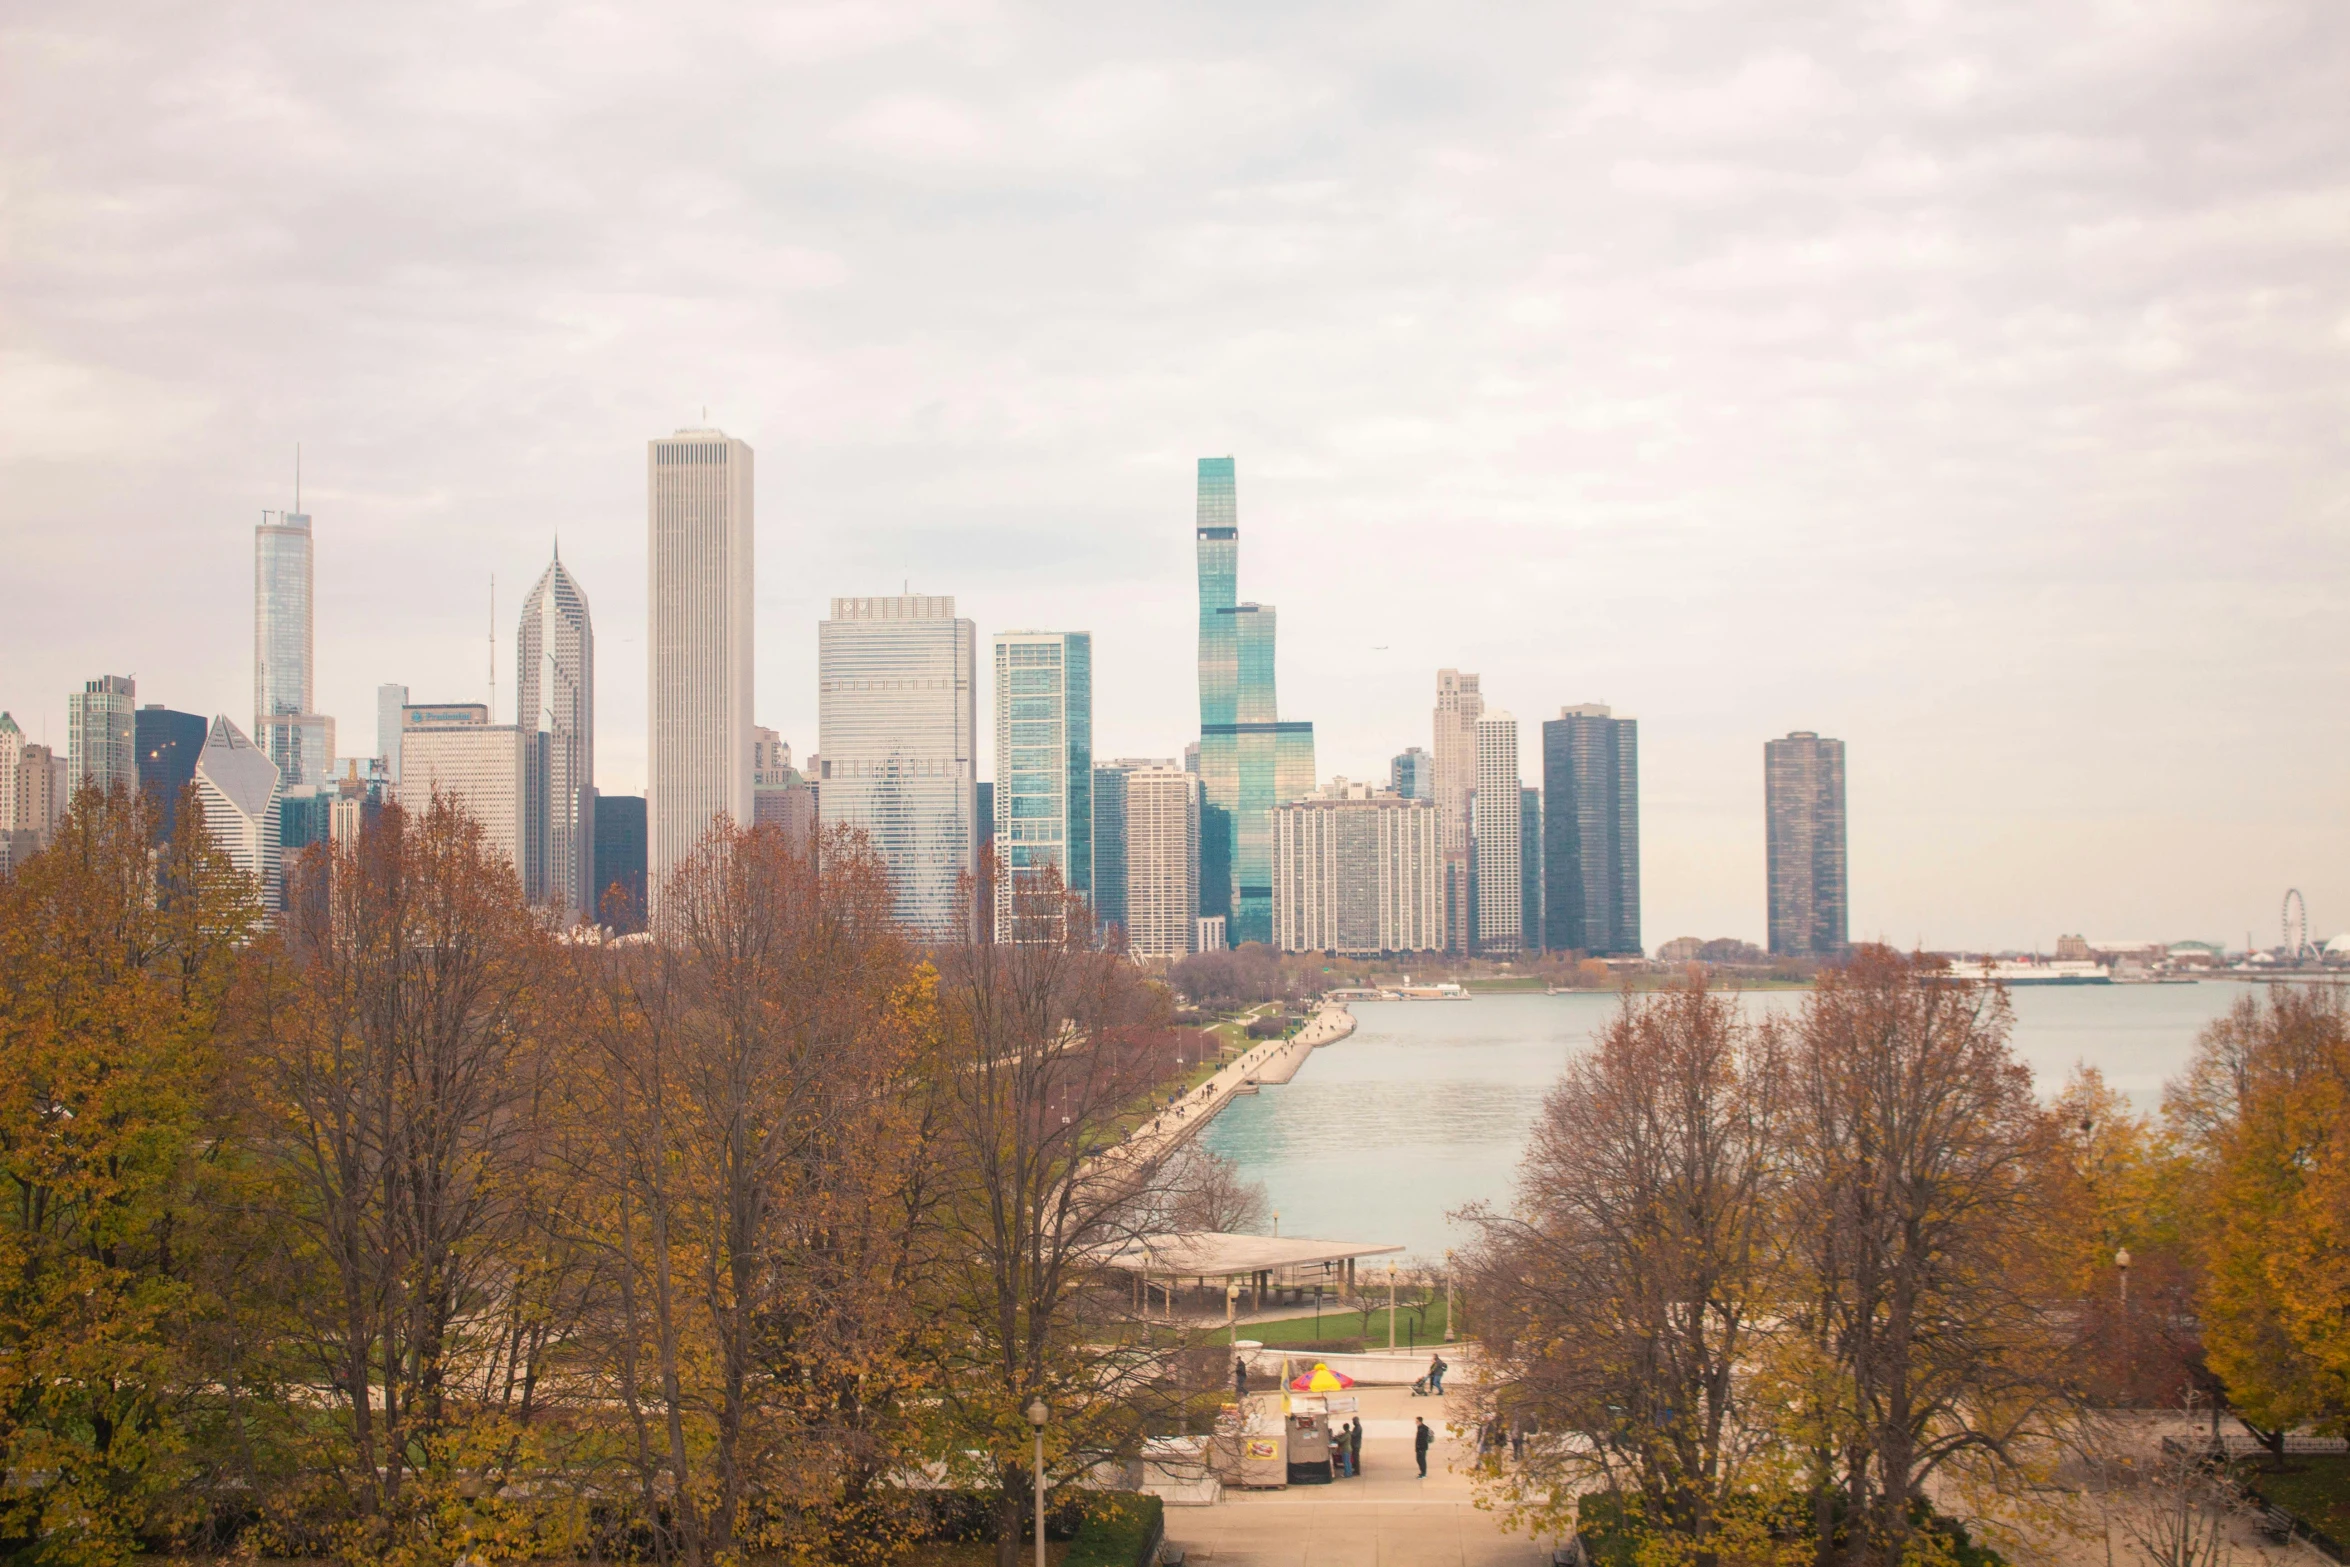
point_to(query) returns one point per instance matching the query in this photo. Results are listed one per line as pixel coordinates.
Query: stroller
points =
(1420, 1387)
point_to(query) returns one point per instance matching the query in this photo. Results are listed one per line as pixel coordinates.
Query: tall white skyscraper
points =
(282, 594)
(897, 719)
(239, 789)
(1498, 854)
(1458, 704)
(555, 707)
(300, 741)
(1160, 848)
(101, 732)
(699, 540)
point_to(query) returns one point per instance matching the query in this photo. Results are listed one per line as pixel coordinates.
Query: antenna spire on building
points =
(297, 478)
(493, 646)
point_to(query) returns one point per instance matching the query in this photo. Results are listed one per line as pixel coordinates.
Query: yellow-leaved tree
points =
(114, 953)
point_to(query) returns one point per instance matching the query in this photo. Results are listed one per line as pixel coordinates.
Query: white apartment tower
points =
(1161, 846)
(699, 542)
(555, 707)
(1358, 870)
(897, 757)
(1498, 852)
(239, 788)
(1458, 704)
(100, 734)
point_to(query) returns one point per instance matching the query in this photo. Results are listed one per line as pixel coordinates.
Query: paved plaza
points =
(1388, 1517)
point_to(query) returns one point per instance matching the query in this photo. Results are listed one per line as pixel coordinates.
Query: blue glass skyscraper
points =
(1249, 761)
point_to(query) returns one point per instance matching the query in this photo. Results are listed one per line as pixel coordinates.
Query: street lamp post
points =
(1037, 1414)
(1232, 1313)
(1391, 1305)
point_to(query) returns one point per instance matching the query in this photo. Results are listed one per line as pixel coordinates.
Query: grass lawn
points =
(1340, 1322)
(2314, 1487)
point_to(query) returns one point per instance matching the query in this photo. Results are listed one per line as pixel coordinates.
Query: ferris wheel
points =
(2296, 923)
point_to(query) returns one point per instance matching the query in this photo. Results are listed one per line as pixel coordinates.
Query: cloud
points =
(1964, 380)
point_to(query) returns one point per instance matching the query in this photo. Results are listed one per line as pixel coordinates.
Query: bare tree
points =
(1205, 1191)
(1616, 1304)
(1920, 1163)
(753, 1070)
(394, 1051)
(1050, 1049)
(2175, 1505)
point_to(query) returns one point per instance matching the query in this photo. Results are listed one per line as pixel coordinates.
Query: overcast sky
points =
(1968, 381)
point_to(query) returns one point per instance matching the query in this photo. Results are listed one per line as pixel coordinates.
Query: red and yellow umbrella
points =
(1320, 1380)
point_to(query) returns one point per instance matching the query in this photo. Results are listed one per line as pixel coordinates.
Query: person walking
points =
(1422, 1440)
(1436, 1371)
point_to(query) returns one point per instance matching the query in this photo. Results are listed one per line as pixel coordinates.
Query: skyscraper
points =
(102, 734)
(238, 787)
(168, 744)
(452, 751)
(1358, 871)
(780, 796)
(1412, 774)
(699, 648)
(1458, 705)
(555, 707)
(1591, 832)
(1249, 761)
(1109, 844)
(897, 721)
(1530, 868)
(1160, 848)
(1803, 789)
(1109, 838)
(283, 584)
(299, 741)
(1043, 762)
(32, 795)
(389, 701)
(1496, 846)
(620, 858)
(18, 842)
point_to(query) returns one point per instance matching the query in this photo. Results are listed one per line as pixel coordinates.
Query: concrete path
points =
(1386, 1517)
(1274, 1061)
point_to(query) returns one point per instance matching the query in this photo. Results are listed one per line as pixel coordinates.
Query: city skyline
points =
(1530, 764)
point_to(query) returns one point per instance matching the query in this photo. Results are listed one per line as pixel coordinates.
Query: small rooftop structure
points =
(1210, 1254)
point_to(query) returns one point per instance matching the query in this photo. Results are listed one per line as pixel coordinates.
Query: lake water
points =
(1428, 1104)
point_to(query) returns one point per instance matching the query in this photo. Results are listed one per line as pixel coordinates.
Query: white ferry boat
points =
(2065, 972)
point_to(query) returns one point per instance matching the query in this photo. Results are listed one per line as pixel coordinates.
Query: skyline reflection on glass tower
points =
(1249, 761)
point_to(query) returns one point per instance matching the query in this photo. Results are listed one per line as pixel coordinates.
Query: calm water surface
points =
(1427, 1105)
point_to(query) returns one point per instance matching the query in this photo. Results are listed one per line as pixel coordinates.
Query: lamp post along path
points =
(1037, 1415)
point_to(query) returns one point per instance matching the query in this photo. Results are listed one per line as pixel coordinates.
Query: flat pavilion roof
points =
(1208, 1254)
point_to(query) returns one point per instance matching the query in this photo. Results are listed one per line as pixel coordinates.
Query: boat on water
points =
(2062, 972)
(1447, 990)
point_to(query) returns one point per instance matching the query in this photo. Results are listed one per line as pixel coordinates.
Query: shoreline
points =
(1273, 1062)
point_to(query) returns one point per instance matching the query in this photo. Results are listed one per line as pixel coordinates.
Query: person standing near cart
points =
(1240, 1381)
